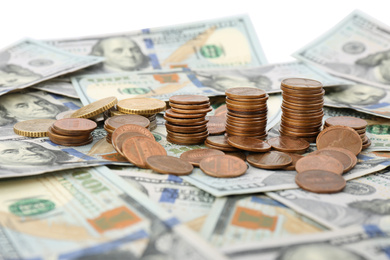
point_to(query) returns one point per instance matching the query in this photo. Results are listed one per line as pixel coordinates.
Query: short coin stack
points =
(114, 122)
(186, 120)
(359, 125)
(246, 112)
(72, 131)
(302, 108)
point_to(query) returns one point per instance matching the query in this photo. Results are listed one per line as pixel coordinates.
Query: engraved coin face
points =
(223, 166)
(117, 121)
(269, 160)
(249, 144)
(74, 126)
(340, 136)
(245, 92)
(196, 155)
(169, 165)
(353, 122)
(95, 108)
(346, 157)
(34, 127)
(319, 162)
(189, 99)
(288, 144)
(320, 181)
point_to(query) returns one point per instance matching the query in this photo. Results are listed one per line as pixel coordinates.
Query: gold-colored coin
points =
(95, 108)
(141, 106)
(34, 127)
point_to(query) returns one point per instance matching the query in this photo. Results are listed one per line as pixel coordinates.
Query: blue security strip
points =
(55, 96)
(154, 60)
(266, 201)
(105, 247)
(172, 222)
(149, 43)
(364, 157)
(71, 105)
(374, 231)
(78, 154)
(145, 31)
(175, 178)
(195, 80)
(376, 106)
(169, 195)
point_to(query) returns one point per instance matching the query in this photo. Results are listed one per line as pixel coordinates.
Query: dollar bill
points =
(237, 220)
(363, 201)
(185, 201)
(357, 48)
(28, 62)
(80, 213)
(225, 42)
(367, 242)
(31, 104)
(58, 86)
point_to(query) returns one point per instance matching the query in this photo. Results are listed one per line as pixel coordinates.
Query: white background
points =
(282, 26)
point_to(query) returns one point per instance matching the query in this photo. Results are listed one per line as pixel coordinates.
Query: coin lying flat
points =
(346, 157)
(223, 166)
(121, 138)
(196, 155)
(340, 136)
(288, 144)
(130, 128)
(320, 181)
(319, 162)
(117, 121)
(295, 157)
(249, 143)
(169, 165)
(95, 108)
(245, 92)
(34, 127)
(141, 106)
(189, 99)
(269, 160)
(74, 126)
(353, 122)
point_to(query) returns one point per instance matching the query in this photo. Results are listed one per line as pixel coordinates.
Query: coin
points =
(121, 138)
(288, 144)
(95, 108)
(320, 181)
(248, 144)
(184, 141)
(189, 99)
(319, 162)
(191, 111)
(169, 165)
(219, 140)
(295, 157)
(139, 106)
(353, 122)
(216, 125)
(269, 160)
(301, 83)
(170, 113)
(190, 106)
(203, 134)
(196, 155)
(223, 166)
(185, 121)
(221, 148)
(244, 92)
(74, 126)
(346, 157)
(33, 128)
(340, 136)
(130, 128)
(185, 129)
(117, 121)
(138, 148)
(238, 154)
(220, 111)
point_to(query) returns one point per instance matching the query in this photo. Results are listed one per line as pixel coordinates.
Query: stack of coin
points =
(114, 122)
(72, 131)
(246, 112)
(147, 107)
(186, 119)
(359, 125)
(302, 108)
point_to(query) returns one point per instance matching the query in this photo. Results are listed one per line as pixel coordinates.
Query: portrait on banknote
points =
(359, 94)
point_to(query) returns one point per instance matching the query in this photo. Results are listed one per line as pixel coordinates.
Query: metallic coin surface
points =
(74, 126)
(191, 111)
(319, 162)
(95, 108)
(221, 148)
(238, 154)
(117, 121)
(34, 127)
(269, 160)
(288, 144)
(249, 144)
(244, 92)
(185, 128)
(320, 181)
(301, 83)
(121, 138)
(186, 121)
(144, 106)
(353, 122)
(196, 155)
(216, 125)
(223, 166)
(130, 128)
(138, 148)
(221, 111)
(170, 113)
(340, 136)
(346, 157)
(295, 157)
(189, 99)
(190, 106)
(219, 140)
(166, 164)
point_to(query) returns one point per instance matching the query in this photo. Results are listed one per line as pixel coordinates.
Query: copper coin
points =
(346, 157)
(288, 144)
(295, 157)
(298, 99)
(184, 141)
(301, 83)
(203, 134)
(316, 112)
(189, 99)
(319, 162)
(236, 119)
(340, 136)
(63, 143)
(220, 111)
(223, 166)
(301, 108)
(298, 134)
(185, 121)
(67, 138)
(244, 92)
(245, 106)
(258, 136)
(169, 165)
(248, 102)
(216, 125)
(244, 129)
(138, 148)
(320, 181)
(190, 107)
(121, 138)
(74, 126)
(185, 129)
(269, 160)
(366, 145)
(117, 121)
(170, 113)
(191, 111)
(302, 94)
(196, 155)
(221, 148)
(234, 123)
(219, 140)
(238, 154)
(310, 139)
(353, 122)
(249, 144)
(131, 128)
(306, 105)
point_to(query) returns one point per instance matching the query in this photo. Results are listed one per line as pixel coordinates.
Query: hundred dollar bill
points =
(237, 220)
(221, 43)
(28, 62)
(58, 86)
(363, 201)
(31, 104)
(84, 213)
(358, 243)
(357, 48)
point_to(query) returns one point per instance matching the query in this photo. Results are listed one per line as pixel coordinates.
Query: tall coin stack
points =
(302, 108)
(246, 112)
(186, 119)
(114, 122)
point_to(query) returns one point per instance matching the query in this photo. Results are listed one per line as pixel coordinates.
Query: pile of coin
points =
(114, 122)
(94, 109)
(246, 112)
(186, 119)
(359, 125)
(72, 131)
(302, 108)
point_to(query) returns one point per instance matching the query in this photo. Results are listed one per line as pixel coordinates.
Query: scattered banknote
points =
(357, 48)
(222, 43)
(241, 219)
(28, 62)
(81, 213)
(358, 243)
(31, 104)
(363, 201)
(58, 86)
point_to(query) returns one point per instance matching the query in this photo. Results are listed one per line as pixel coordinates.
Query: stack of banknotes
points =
(86, 202)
